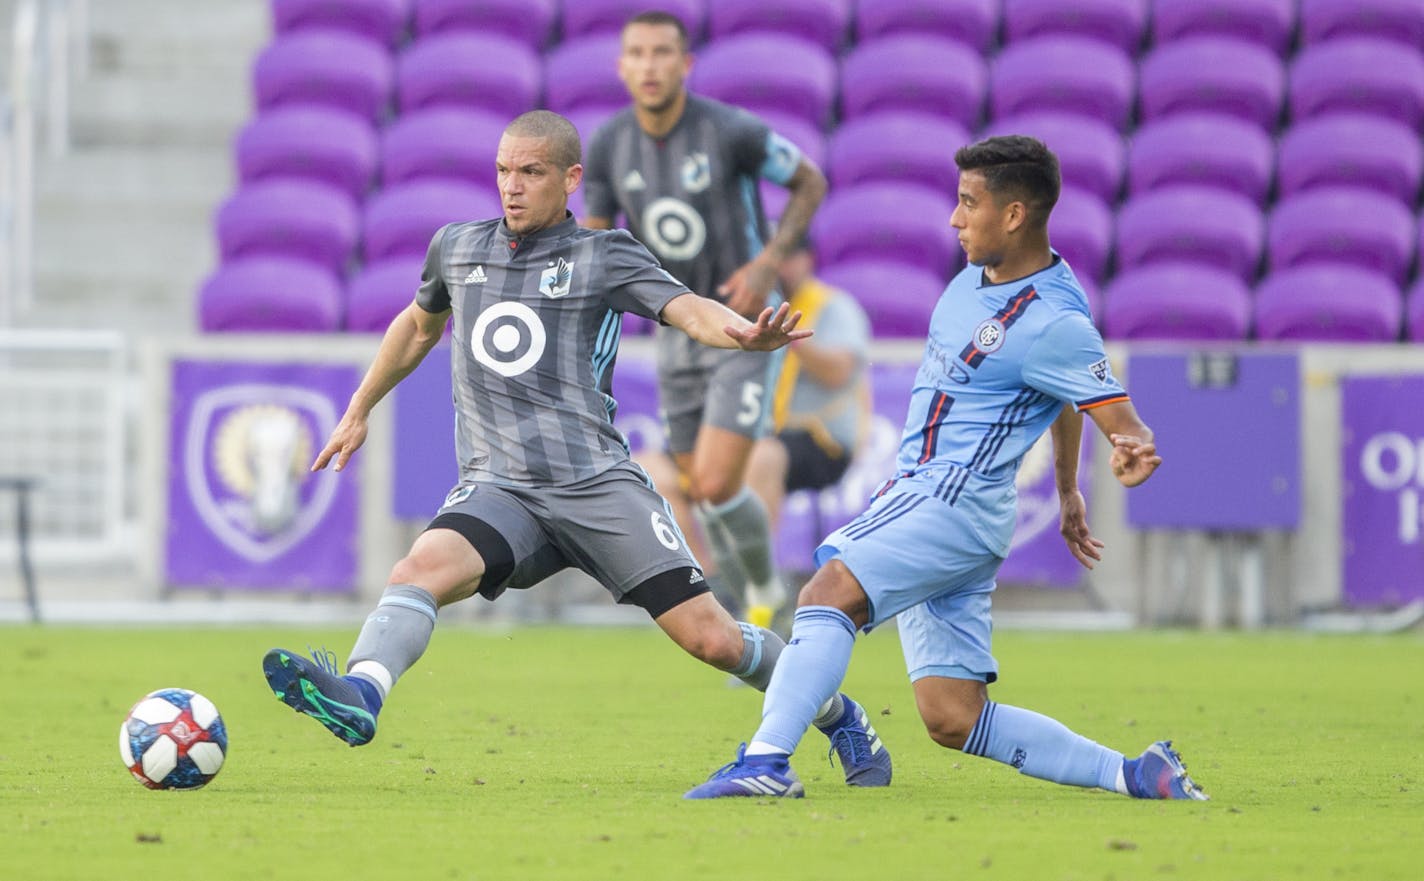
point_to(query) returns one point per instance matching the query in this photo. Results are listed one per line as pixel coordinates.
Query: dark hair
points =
(1016, 168)
(565, 149)
(658, 16)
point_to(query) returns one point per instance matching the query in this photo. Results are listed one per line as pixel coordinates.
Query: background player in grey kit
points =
(535, 303)
(683, 171)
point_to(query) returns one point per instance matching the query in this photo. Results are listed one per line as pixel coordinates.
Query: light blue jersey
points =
(1000, 362)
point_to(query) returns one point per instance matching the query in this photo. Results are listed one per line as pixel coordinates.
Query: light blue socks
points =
(1042, 747)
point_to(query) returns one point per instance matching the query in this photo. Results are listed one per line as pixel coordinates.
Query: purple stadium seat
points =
(268, 293)
(584, 17)
(807, 137)
(773, 200)
(380, 291)
(444, 143)
(318, 143)
(1214, 75)
(1184, 222)
(768, 72)
(1090, 152)
(330, 67)
(887, 221)
(975, 23)
(401, 220)
(1328, 302)
(295, 218)
(380, 20)
(1353, 149)
(921, 73)
(583, 72)
(910, 147)
(525, 20)
(898, 297)
(1359, 74)
(1202, 148)
(1081, 229)
(823, 22)
(484, 71)
(1269, 23)
(1401, 20)
(1177, 301)
(587, 119)
(1119, 22)
(1415, 311)
(1073, 74)
(1348, 225)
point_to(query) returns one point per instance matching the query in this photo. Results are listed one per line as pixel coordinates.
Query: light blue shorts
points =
(919, 558)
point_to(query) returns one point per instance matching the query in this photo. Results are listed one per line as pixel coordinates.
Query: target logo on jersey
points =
(508, 338)
(674, 229)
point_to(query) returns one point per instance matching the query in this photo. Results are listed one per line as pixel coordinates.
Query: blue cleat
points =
(1159, 773)
(864, 758)
(751, 777)
(315, 689)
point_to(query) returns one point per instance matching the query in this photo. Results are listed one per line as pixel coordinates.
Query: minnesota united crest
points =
(555, 281)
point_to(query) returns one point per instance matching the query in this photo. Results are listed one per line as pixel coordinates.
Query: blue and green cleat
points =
(314, 688)
(1159, 773)
(864, 758)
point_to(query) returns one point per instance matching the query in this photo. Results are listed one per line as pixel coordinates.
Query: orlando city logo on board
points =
(244, 509)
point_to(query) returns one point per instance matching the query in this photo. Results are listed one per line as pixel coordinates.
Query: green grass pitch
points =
(559, 753)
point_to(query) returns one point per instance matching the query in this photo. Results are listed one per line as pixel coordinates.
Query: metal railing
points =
(49, 46)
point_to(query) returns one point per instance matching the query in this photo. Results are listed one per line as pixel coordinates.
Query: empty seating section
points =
(1232, 169)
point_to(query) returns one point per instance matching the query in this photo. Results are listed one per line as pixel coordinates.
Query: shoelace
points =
(853, 741)
(325, 659)
(725, 769)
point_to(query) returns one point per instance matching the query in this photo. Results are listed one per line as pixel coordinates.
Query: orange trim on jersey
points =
(1115, 399)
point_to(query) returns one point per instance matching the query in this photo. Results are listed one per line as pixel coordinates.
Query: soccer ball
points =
(173, 739)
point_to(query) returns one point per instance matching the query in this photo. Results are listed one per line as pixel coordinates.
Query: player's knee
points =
(949, 727)
(720, 647)
(714, 487)
(431, 573)
(833, 585)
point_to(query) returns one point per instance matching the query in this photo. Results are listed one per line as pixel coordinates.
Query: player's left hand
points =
(1132, 460)
(1073, 525)
(746, 290)
(771, 330)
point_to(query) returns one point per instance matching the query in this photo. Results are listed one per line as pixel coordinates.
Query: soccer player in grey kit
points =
(545, 479)
(683, 171)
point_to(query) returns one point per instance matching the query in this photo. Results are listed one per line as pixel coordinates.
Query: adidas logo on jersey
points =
(634, 181)
(477, 275)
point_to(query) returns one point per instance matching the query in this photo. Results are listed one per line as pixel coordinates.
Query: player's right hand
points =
(346, 439)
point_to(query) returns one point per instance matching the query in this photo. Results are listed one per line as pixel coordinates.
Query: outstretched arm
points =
(410, 337)
(1134, 455)
(745, 291)
(713, 324)
(1067, 435)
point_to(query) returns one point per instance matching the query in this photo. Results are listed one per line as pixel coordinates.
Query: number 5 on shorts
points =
(751, 404)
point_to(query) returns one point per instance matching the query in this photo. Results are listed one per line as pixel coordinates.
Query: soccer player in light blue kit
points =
(1012, 353)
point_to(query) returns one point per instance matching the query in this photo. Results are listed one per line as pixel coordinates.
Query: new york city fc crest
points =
(989, 335)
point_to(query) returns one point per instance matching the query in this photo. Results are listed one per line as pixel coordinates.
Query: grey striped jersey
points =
(535, 333)
(692, 195)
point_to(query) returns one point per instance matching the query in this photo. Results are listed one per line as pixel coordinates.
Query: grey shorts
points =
(699, 385)
(614, 527)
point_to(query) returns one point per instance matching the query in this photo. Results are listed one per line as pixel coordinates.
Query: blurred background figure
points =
(820, 410)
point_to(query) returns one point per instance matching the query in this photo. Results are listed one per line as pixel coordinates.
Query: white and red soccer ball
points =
(173, 739)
